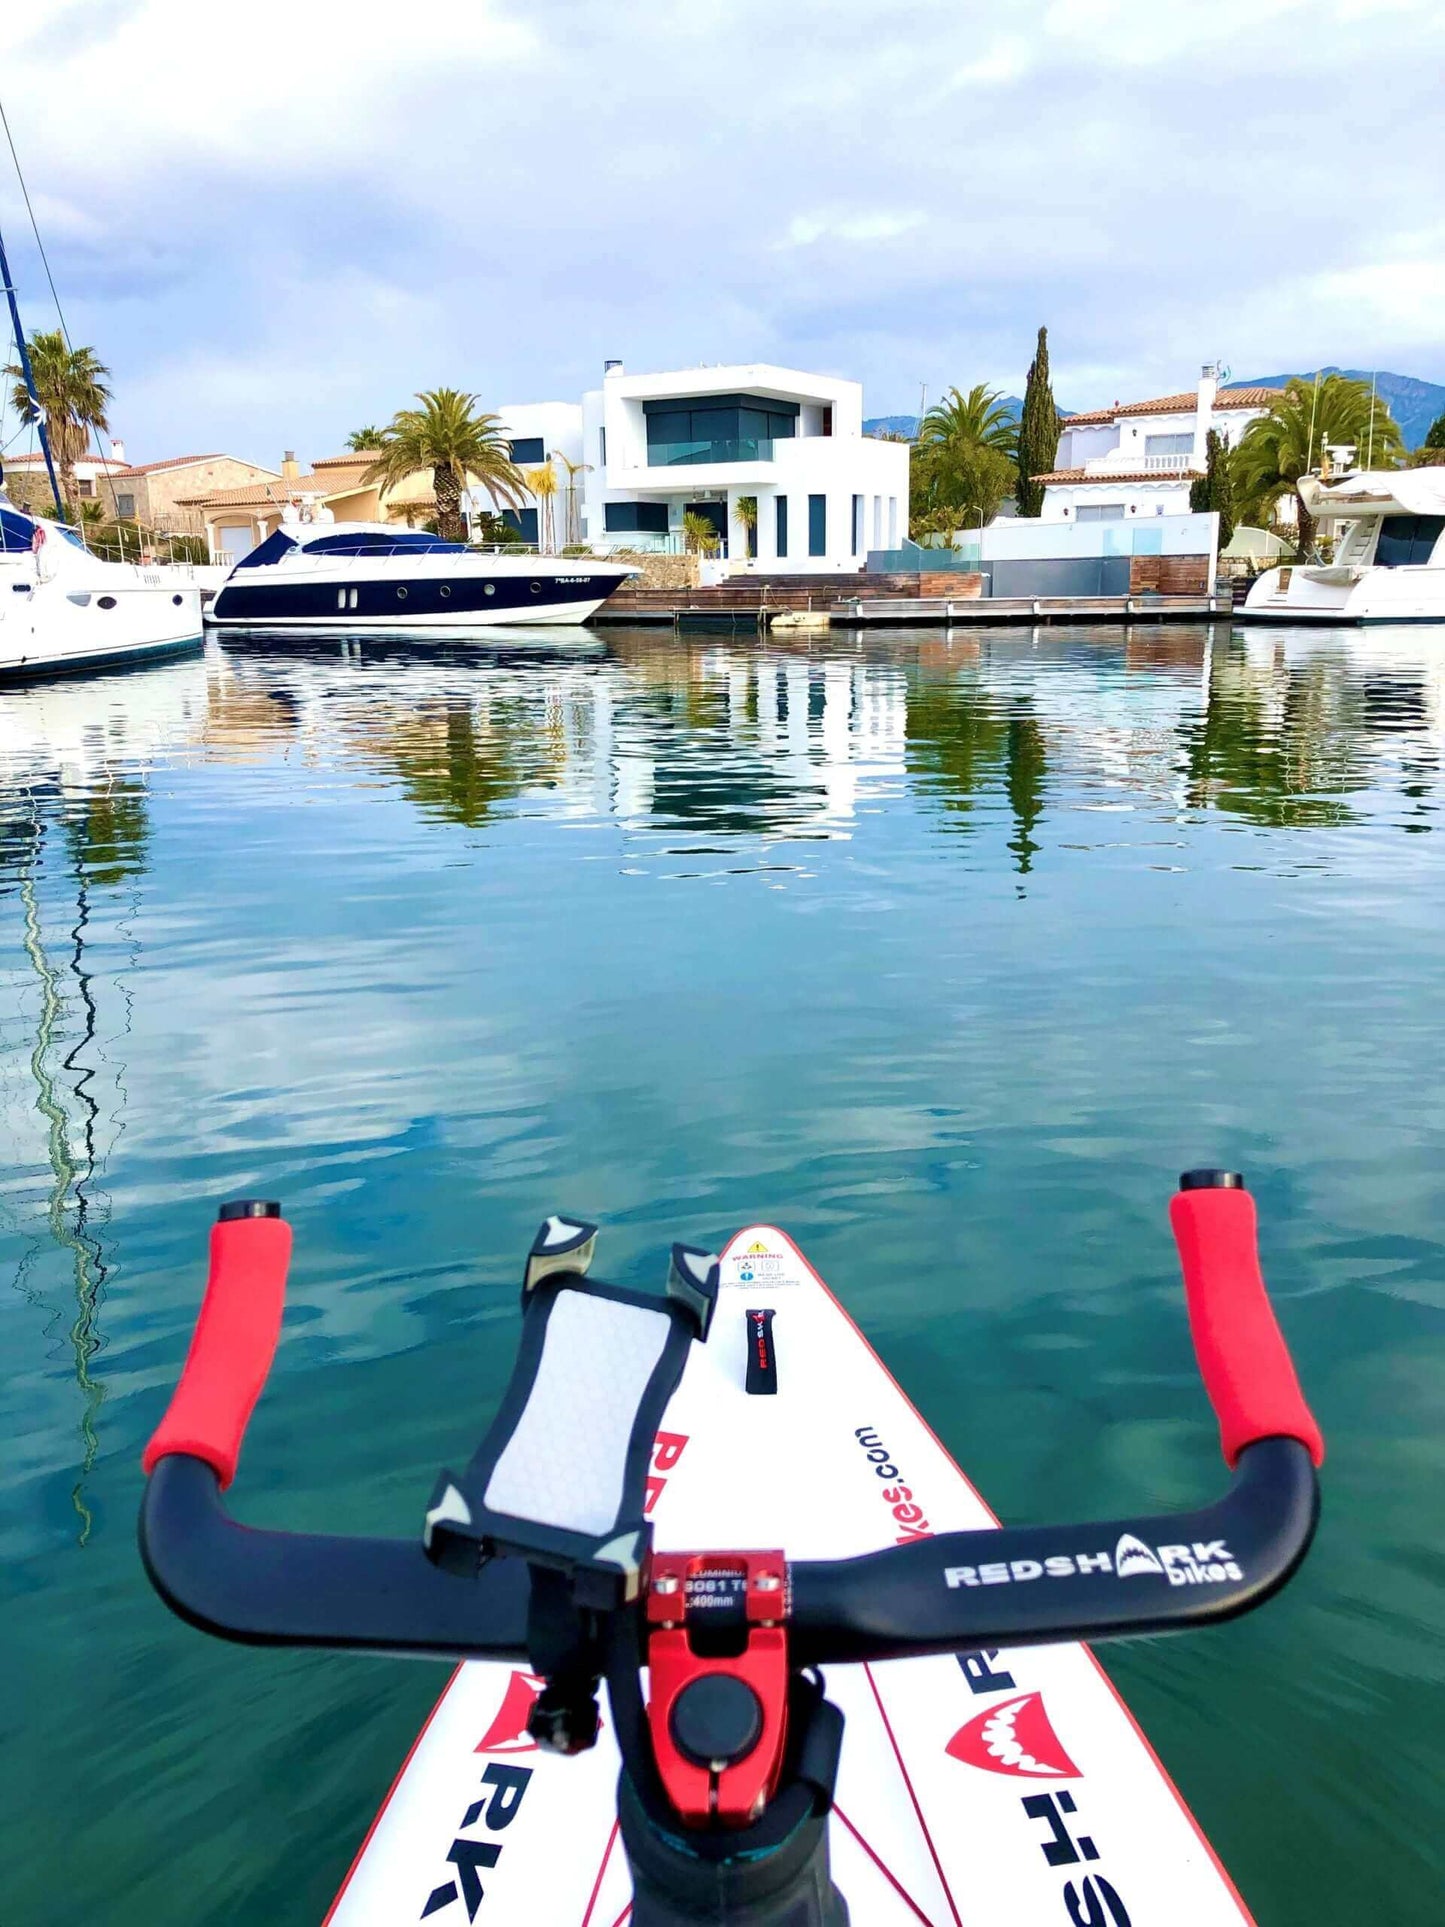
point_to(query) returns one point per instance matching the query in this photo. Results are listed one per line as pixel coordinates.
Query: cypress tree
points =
(1214, 489)
(1038, 431)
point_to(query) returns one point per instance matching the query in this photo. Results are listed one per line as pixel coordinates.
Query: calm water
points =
(944, 954)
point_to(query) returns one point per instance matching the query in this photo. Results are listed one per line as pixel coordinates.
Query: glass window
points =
(524, 521)
(622, 518)
(673, 426)
(1407, 541)
(382, 542)
(857, 525)
(1099, 512)
(125, 507)
(1168, 444)
(782, 515)
(271, 550)
(602, 446)
(817, 525)
(529, 449)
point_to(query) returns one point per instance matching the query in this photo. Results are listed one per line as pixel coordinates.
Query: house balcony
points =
(693, 454)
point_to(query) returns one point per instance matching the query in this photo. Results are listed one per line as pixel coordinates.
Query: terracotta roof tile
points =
(174, 461)
(1182, 404)
(1121, 475)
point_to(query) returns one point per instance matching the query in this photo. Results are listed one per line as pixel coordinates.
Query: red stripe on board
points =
(626, 1914)
(1163, 1772)
(391, 1794)
(928, 1837)
(597, 1883)
(843, 1310)
(886, 1871)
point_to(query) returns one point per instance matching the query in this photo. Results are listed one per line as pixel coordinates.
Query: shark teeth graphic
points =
(1132, 1557)
(1016, 1738)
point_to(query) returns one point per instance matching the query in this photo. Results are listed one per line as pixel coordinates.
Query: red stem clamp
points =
(717, 1656)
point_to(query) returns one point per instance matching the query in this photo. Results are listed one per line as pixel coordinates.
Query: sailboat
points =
(63, 609)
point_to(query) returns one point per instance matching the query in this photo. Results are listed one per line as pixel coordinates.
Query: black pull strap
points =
(762, 1353)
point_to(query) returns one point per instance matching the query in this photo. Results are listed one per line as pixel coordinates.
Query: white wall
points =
(837, 466)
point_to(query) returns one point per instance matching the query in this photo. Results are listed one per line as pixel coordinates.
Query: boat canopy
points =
(17, 532)
(1385, 491)
(342, 538)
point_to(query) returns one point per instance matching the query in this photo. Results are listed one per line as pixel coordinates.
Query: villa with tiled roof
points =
(236, 520)
(1139, 458)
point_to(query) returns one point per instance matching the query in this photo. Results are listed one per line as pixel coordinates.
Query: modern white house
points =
(1139, 458)
(697, 440)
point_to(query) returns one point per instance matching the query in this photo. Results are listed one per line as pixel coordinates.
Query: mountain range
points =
(1415, 404)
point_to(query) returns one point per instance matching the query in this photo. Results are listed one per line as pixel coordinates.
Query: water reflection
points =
(76, 830)
(722, 739)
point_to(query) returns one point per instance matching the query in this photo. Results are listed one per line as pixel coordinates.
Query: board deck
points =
(993, 1787)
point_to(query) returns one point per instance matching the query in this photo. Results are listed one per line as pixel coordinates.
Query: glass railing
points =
(680, 454)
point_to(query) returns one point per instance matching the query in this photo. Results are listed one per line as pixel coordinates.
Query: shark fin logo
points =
(1014, 1738)
(508, 1731)
(1132, 1557)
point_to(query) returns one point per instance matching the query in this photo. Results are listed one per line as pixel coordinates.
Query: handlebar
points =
(997, 1587)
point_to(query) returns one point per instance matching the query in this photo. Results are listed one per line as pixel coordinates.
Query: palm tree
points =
(1289, 439)
(448, 437)
(963, 461)
(362, 438)
(745, 514)
(542, 486)
(71, 385)
(699, 535)
(978, 419)
(572, 520)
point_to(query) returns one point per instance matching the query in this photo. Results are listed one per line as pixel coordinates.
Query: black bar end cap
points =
(247, 1208)
(1207, 1180)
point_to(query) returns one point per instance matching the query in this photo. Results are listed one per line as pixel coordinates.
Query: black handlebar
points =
(1008, 1586)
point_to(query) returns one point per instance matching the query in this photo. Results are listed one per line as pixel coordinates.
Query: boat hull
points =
(1306, 594)
(50, 629)
(381, 605)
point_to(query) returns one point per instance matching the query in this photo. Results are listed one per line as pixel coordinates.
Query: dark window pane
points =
(529, 449)
(857, 525)
(782, 503)
(1407, 541)
(524, 521)
(675, 425)
(625, 518)
(817, 525)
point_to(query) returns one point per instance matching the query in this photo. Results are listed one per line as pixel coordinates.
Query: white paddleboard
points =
(1001, 1787)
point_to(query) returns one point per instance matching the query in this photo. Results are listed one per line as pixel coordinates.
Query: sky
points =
(276, 223)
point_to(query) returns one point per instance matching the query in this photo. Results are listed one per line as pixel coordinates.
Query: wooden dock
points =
(744, 606)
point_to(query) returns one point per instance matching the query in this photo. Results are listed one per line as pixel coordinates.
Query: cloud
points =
(805, 229)
(274, 226)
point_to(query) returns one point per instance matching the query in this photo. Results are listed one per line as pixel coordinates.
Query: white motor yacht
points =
(1389, 560)
(372, 577)
(63, 609)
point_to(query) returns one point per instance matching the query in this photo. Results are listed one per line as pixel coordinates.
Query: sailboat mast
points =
(29, 375)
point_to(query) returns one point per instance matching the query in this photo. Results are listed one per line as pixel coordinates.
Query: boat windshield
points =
(383, 542)
(272, 549)
(17, 532)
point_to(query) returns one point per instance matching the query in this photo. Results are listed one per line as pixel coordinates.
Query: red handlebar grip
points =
(232, 1347)
(1243, 1359)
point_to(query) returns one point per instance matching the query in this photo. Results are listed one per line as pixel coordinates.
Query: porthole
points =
(445, 590)
(491, 588)
(401, 595)
(536, 588)
(177, 600)
(105, 602)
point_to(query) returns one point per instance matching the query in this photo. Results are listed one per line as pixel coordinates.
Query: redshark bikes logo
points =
(1014, 1737)
(508, 1730)
(1207, 1562)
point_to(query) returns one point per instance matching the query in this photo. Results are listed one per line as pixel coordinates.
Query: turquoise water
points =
(944, 954)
